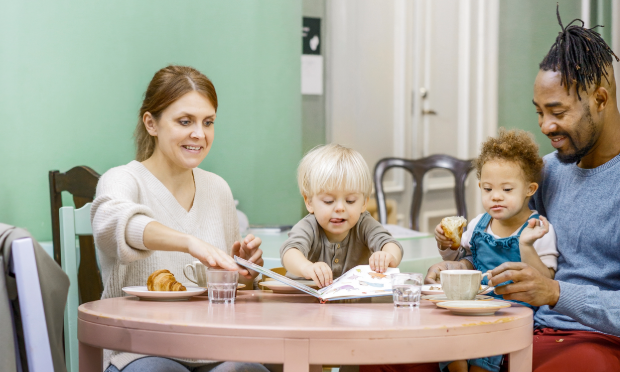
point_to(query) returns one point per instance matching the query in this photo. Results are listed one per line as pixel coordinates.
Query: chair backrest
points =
(81, 182)
(418, 168)
(34, 326)
(73, 223)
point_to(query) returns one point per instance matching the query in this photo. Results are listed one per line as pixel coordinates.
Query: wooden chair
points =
(418, 168)
(73, 223)
(81, 182)
(33, 321)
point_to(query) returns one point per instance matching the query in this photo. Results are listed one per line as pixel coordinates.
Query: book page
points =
(360, 281)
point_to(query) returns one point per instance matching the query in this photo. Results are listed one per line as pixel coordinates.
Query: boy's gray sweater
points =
(584, 207)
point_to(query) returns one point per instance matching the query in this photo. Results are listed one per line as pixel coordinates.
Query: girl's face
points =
(184, 130)
(505, 192)
(337, 212)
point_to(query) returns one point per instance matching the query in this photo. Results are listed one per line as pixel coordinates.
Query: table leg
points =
(91, 358)
(296, 356)
(521, 360)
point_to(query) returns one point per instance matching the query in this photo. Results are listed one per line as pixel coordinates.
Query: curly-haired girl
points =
(508, 169)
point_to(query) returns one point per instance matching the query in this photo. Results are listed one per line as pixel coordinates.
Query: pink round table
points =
(297, 331)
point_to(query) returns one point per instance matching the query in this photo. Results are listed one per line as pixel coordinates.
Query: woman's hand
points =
(210, 255)
(249, 250)
(380, 261)
(320, 272)
(442, 241)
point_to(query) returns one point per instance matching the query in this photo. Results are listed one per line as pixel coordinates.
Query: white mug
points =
(200, 273)
(462, 284)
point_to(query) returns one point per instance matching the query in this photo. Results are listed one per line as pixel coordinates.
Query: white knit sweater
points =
(128, 198)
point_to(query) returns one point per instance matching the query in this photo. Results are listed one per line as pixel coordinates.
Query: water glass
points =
(406, 289)
(222, 286)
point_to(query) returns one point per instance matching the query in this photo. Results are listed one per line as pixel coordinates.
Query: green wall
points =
(72, 74)
(527, 29)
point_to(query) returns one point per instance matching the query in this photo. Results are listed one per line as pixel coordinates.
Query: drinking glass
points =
(406, 289)
(222, 286)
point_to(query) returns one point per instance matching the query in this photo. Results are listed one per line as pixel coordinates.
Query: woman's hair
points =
(168, 85)
(580, 54)
(333, 167)
(513, 145)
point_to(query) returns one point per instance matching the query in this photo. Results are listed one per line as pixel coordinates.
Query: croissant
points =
(163, 280)
(453, 229)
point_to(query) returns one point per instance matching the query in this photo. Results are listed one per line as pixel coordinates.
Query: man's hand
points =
(534, 231)
(442, 241)
(249, 250)
(529, 285)
(380, 261)
(433, 276)
(320, 272)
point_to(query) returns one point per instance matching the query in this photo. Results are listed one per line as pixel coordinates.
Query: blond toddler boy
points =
(338, 233)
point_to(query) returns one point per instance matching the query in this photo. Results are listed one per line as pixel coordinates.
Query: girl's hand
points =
(534, 231)
(320, 272)
(210, 255)
(249, 250)
(380, 261)
(442, 241)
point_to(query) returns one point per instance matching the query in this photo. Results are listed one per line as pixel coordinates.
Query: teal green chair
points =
(73, 223)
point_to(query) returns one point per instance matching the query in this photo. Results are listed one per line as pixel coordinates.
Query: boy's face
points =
(505, 192)
(337, 212)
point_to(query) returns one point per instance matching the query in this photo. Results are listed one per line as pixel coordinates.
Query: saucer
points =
(437, 299)
(432, 289)
(143, 293)
(473, 307)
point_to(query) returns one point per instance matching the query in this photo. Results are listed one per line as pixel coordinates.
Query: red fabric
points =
(578, 351)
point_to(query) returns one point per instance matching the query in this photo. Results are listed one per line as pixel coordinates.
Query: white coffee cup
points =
(462, 284)
(200, 273)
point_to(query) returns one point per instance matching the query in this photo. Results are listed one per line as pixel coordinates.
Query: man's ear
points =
(601, 98)
(532, 188)
(308, 202)
(150, 124)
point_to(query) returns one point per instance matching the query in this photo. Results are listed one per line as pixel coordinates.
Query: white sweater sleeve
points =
(118, 219)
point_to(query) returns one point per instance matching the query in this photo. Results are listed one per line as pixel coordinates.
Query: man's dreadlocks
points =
(580, 54)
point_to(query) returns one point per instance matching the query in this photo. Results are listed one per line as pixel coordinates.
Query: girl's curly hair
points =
(512, 145)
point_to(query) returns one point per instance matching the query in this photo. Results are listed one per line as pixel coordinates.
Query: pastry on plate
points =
(163, 280)
(453, 229)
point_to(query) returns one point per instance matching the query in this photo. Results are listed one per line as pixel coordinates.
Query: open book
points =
(358, 282)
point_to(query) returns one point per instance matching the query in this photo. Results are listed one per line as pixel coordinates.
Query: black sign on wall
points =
(311, 36)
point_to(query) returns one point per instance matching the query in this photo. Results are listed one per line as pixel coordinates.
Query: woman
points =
(162, 212)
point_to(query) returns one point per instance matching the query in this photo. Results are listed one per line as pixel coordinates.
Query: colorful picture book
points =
(359, 282)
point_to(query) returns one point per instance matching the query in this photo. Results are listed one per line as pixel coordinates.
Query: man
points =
(577, 327)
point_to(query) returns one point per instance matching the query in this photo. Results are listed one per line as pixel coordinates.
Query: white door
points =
(410, 79)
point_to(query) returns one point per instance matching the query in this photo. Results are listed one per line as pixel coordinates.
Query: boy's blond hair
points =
(333, 167)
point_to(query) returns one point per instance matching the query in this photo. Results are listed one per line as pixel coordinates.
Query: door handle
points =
(429, 112)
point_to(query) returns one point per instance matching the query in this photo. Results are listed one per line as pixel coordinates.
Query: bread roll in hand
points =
(453, 229)
(163, 280)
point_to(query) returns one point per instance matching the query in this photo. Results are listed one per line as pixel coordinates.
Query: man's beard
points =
(589, 132)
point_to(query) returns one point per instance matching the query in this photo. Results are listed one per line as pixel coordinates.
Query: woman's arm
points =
(158, 237)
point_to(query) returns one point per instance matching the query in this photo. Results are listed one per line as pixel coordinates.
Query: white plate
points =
(426, 289)
(444, 298)
(278, 287)
(473, 307)
(144, 294)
